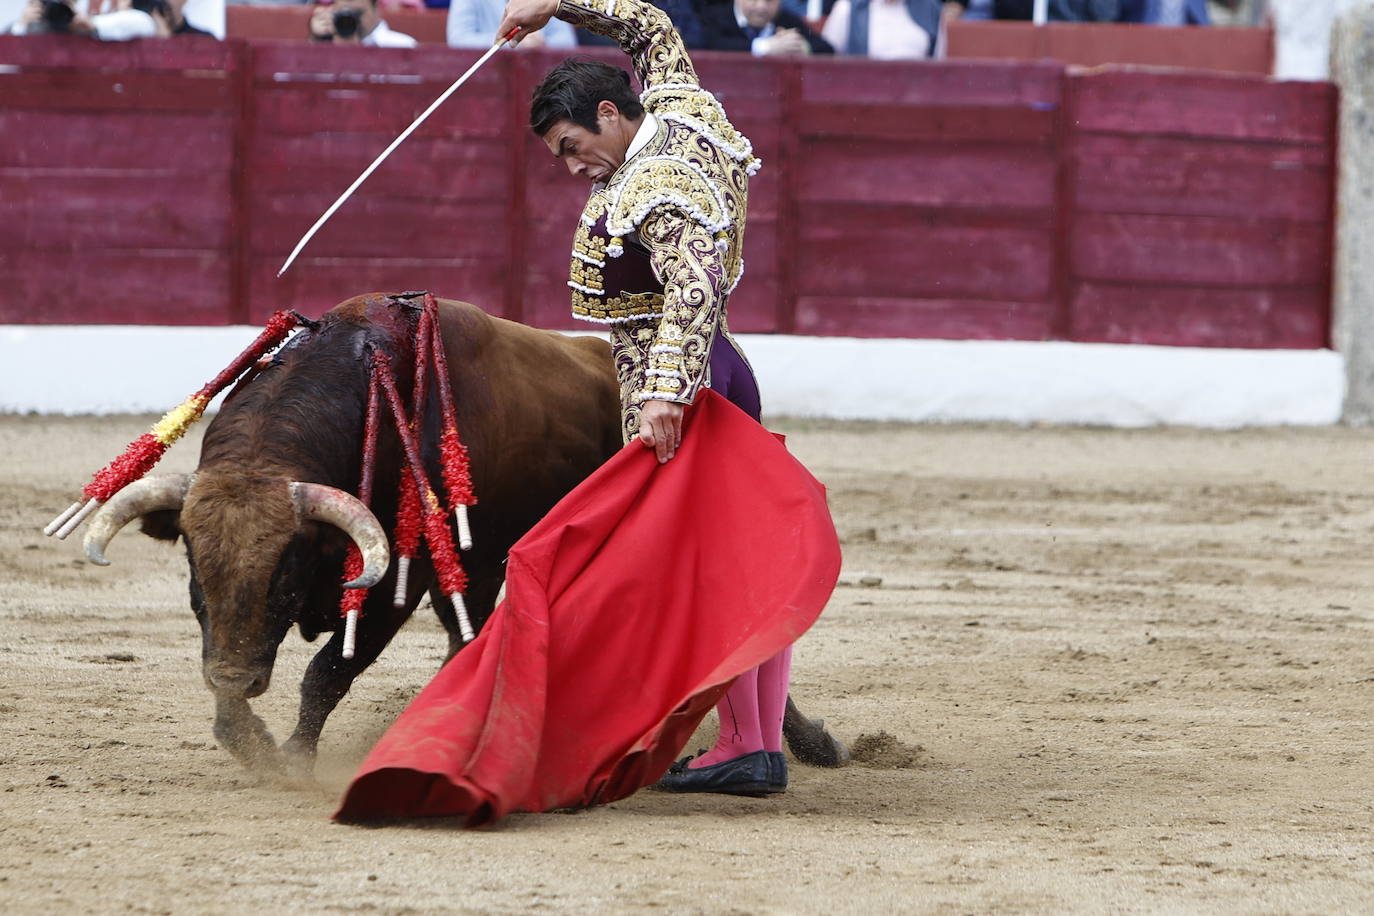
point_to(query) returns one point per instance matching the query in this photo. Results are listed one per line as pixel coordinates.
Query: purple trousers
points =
(732, 378)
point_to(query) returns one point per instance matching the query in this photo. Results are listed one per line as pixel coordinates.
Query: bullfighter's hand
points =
(660, 428)
(527, 16)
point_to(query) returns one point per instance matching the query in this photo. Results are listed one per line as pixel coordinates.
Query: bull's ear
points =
(164, 524)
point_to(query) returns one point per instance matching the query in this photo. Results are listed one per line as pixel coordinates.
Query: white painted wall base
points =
(138, 369)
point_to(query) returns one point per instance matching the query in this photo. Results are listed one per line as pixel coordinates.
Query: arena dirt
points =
(1091, 670)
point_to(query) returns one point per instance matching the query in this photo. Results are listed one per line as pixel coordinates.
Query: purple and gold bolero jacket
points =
(658, 249)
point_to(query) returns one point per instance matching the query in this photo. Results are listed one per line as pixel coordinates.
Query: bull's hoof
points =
(811, 743)
(298, 759)
(250, 743)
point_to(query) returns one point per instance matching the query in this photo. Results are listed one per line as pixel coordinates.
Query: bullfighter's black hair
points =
(574, 88)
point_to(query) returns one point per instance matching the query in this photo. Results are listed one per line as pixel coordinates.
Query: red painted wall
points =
(166, 182)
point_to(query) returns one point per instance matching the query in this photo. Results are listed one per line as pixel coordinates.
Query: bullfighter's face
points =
(593, 155)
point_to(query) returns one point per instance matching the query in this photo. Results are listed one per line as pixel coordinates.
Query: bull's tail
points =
(809, 740)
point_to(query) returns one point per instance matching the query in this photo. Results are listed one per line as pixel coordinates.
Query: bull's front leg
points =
(329, 675)
(239, 730)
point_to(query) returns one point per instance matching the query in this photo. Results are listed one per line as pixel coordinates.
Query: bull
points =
(268, 514)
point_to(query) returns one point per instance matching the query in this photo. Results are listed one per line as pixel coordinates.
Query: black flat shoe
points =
(777, 772)
(749, 774)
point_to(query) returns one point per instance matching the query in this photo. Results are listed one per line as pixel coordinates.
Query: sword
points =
(395, 143)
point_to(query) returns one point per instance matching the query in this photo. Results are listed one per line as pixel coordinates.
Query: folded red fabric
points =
(629, 608)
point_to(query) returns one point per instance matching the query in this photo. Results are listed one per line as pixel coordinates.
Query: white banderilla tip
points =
(350, 633)
(461, 610)
(58, 522)
(75, 521)
(464, 529)
(398, 598)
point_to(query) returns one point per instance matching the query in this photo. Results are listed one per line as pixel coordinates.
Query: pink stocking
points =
(773, 678)
(739, 722)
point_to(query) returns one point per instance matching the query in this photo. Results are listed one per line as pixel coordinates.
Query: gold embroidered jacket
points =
(657, 251)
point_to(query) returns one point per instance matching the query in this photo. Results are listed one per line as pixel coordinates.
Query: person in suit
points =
(1166, 12)
(884, 29)
(761, 27)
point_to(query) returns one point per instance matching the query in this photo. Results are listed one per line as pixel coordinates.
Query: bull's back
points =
(536, 378)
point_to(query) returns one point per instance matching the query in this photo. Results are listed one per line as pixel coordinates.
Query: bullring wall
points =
(164, 183)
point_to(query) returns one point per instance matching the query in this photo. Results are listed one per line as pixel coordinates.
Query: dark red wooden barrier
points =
(118, 181)
(1094, 44)
(1201, 210)
(166, 182)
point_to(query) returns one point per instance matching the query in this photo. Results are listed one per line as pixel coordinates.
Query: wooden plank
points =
(927, 174)
(1230, 50)
(114, 287)
(895, 252)
(60, 51)
(424, 167)
(941, 319)
(374, 226)
(1203, 105)
(848, 80)
(1201, 177)
(1199, 251)
(134, 90)
(547, 303)
(320, 283)
(304, 63)
(165, 143)
(1250, 317)
(934, 123)
(381, 111)
(131, 210)
(1233, 50)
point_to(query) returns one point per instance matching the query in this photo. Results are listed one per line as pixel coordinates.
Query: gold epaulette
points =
(665, 180)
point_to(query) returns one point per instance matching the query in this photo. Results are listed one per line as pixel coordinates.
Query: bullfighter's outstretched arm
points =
(643, 31)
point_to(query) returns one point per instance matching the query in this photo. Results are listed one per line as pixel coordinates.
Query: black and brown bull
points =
(269, 511)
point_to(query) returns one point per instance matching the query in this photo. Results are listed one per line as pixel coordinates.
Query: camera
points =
(58, 16)
(347, 23)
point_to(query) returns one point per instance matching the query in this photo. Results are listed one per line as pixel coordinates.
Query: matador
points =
(656, 253)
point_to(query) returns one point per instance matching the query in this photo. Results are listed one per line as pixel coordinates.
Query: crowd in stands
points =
(883, 29)
(124, 20)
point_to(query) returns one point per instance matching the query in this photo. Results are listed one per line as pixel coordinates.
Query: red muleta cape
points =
(629, 609)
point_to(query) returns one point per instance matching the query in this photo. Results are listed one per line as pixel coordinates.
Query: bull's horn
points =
(316, 502)
(151, 494)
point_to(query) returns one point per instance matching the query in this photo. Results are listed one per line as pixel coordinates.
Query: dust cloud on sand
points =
(1083, 671)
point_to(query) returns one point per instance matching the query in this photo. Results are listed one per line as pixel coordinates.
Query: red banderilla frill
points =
(448, 568)
(408, 500)
(452, 452)
(145, 451)
(352, 602)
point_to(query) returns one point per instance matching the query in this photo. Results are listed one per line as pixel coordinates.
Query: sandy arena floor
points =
(1103, 671)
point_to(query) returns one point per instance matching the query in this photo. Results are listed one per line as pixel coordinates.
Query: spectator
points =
(1062, 10)
(1166, 12)
(761, 27)
(355, 22)
(57, 17)
(971, 9)
(473, 24)
(685, 20)
(884, 29)
(168, 14)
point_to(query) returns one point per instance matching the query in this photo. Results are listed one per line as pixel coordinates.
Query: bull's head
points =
(238, 529)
